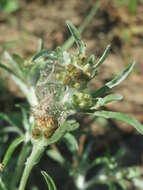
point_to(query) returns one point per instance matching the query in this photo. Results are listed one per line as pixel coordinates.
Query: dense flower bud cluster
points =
(77, 73)
(82, 100)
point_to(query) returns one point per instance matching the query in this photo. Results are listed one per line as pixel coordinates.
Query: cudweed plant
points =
(110, 174)
(56, 86)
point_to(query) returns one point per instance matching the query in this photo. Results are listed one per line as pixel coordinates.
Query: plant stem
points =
(20, 163)
(82, 27)
(80, 181)
(2, 185)
(33, 159)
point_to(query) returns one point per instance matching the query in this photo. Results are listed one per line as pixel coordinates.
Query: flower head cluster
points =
(76, 73)
(64, 84)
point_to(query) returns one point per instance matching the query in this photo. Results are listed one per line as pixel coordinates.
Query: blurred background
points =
(116, 22)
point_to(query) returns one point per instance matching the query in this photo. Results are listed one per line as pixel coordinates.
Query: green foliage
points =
(9, 6)
(107, 99)
(55, 84)
(50, 183)
(103, 57)
(122, 117)
(115, 81)
(131, 4)
(76, 35)
(2, 185)
(11, 149)
(71, 142)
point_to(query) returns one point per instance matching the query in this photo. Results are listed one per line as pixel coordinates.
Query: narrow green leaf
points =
(107, 99)
(56, 155)
(11, 129)
(122, 184)
(20, 83)
(115, 81)
(91, 59)
(45, 54)
(101, 91)
(7, 118)
(87, 152)
(74, 31)
(83, 26)
(41, 44)
(16, 67)
(71, 142)
(98, 161)
(122, 117)
(76, 34)
(49, 181)
(7, 69)
(34, 71)
(122, 76)
(29, 92)
(111, 98)
(19, 61)
(11, 149)
(34, 75)
(72, 125)
(25, 118)
(103, 57)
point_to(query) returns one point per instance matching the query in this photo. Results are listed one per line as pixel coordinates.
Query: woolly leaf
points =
(122, 117)
(76, 35)
(107, 99)
(15, 66)
(71, 142)
(122, 76)
(103, 57)
(74, 31)
(115, 81)
(45, 54)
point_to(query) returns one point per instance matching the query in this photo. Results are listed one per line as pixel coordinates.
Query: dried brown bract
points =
(45, 119)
